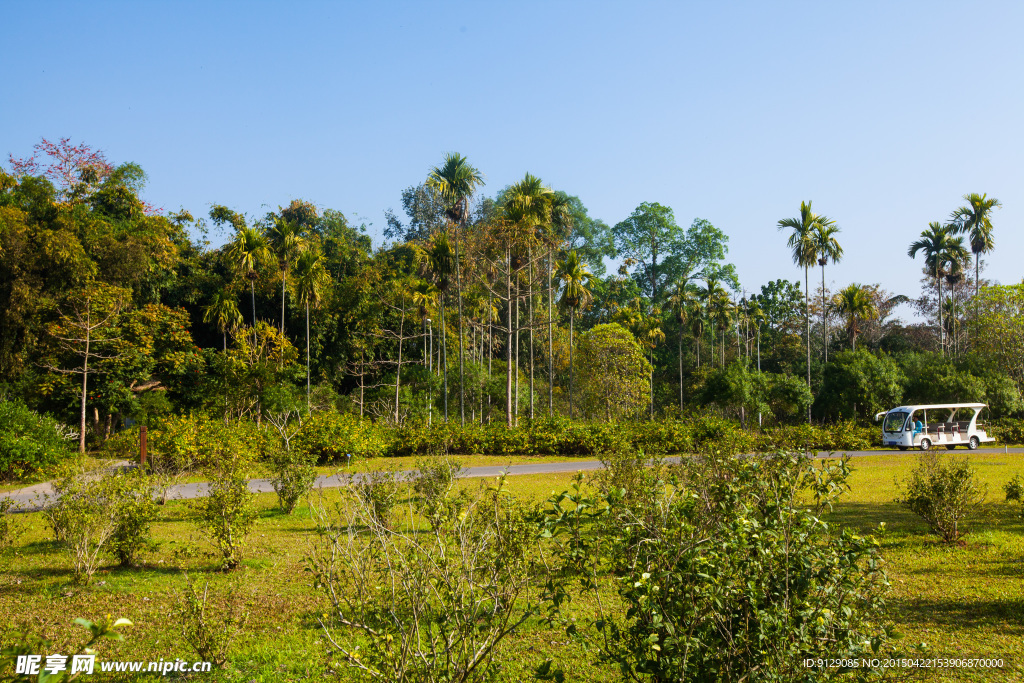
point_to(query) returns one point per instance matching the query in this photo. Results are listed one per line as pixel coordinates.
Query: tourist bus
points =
(946, 424)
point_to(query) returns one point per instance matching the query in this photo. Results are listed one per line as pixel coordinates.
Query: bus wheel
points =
(903, 448)
(950, 446)
(973, 443)
(926, 444)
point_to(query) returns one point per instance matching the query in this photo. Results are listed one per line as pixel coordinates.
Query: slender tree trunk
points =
(572, 317)
(508, 345)
(398, 370)
(651, 354)
(252, 289)
(462, 369)
(307, 359)
(680, 371)
(824, 319)
(530, 316)
(444, 359)
(807, 322)
(85, 381)
(284, 284)
(551, 375)
(942, 329)
(517, 352)
(490, 347)
(225, 332)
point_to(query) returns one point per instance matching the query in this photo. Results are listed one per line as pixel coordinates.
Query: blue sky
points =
(884, 114)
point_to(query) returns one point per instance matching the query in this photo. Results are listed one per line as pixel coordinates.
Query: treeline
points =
(476, 310)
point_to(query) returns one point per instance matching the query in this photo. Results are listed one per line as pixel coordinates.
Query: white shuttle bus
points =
(924, 427)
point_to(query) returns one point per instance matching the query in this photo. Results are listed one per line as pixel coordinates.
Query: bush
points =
(328, 437)
(294, 476)
(727, 573)
(376, 491)
(81, 522)
(30, 443)
(210, 624)
(10, 530)
(942, 492)
(130, 503)
(228, 512)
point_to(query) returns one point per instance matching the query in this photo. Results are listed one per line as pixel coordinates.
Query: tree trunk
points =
(307, 359)
(508, 346)
(284, 284)
(942, 329)
(85, 382)
(444, 359)
(462, 369)
(572, 317)
(530, 316)
(824, 318)
(398, 369)
(680, 371)
(807, 322)
(517, 353)
(551, 376)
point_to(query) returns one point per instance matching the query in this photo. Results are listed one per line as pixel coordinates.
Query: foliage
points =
(376, 491)
(81, 522)
(329, 436)
(942, 492)
(1001, 316)
(228, 512)
(613, 373)
(294, 476)
(433, 482)
(859, 384)
(10, 530)
(210, 623)
(776, 586)
(130, 503)
(30, 443)
(25, 641)
(441, 603)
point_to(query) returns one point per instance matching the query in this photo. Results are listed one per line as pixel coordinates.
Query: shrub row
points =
(30, 444)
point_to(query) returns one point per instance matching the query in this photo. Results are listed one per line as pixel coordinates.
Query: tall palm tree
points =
(975, 221)
(939, 248)
(247, 252)
(561, 228)
(443, 263)
(311, 281)
(682, 301)
(712, 296)
(856, 303)
(223, 312)
(826, 247)
(572, 273)
(456, 181)
(805, 254)
(286, 241)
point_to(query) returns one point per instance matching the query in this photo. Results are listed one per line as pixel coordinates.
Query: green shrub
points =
(211, 623)
(30, 443)
(10, 530)
(228, 512)
(328, 436)
(376, 491)
(81, 521)
(294, 476)
(130, 503)
(942, 491)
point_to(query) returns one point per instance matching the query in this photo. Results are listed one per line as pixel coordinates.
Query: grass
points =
(963, 601)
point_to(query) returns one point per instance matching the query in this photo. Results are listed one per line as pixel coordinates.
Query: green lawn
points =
(963, 601)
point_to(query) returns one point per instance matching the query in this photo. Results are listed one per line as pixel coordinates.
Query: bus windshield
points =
(894, 421)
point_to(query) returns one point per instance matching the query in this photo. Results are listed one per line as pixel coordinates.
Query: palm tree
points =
(456, 181)
(311, 281)
(856, 303)
(561, 227)
(939, 248)
(574, 277)
(975, 220)
(247, 252)
(285, 240)
(805, 254)
(442, 264)
(826, 247)
(682, 301)
(223, 312)
(712, 296)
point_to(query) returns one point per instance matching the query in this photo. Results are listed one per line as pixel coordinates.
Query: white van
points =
(948, 424)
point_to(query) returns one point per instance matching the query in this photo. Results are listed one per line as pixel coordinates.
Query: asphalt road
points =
(33, 498)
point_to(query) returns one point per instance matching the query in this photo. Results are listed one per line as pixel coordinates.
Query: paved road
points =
(31, 498)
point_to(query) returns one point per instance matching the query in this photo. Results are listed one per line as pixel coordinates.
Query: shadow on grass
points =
(1007, 615)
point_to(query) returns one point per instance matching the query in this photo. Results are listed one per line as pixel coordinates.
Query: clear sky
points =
(884, 114)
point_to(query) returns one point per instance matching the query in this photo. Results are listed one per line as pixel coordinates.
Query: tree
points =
(613, 371)
(85, 324)
(1001, 316)
(648, 236)
(683, 310)
(856, 303)
(573, 275)
(311, 282)
(939, 248)
(223, 312)
(246, 253)
(805, 253)
(859, 384)
(286, 242)
(456, 181)
(975, 221)
(442, 264)
(827, 247)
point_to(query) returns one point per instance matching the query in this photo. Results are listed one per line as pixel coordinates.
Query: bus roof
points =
(976, 406)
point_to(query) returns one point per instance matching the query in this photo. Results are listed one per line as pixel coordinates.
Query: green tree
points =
(856, 303)
(805, 253)
(311, 282)
(649, 236)
(456, 181)
(442, 264)
(975, 221)
(285, 240)
(940, 249)
(1001, 318)
(613, 373)
(247, 252)
(575, 278)
(223, 312)
(859, 384)
(826, 246)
